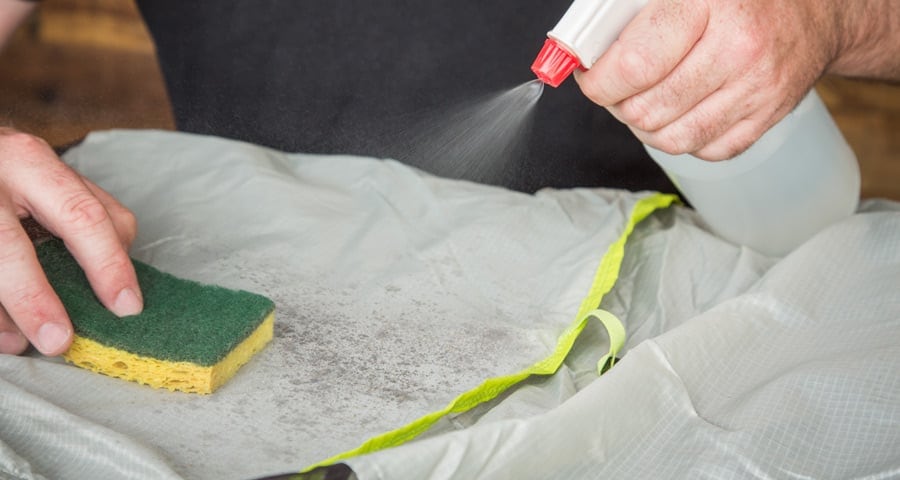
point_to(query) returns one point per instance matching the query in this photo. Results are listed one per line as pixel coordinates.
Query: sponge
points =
(190, 337)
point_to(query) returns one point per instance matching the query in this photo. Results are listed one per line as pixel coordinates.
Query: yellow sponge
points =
(173, 375)
(190, 337)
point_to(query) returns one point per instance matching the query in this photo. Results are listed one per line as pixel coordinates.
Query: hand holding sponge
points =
(190, 336)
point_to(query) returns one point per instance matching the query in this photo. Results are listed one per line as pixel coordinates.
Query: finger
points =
(12, 342)
(742, 135)
(709, 120)
(123, 220)
(649, 48)
(692, 81)
(25, 294)
(731, 143)
(72, 212)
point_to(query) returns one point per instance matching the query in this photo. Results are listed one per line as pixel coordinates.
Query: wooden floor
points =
(61, 81)
(83, 65)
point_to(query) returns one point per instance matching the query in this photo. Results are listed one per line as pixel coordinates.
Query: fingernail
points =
(13, 343)
(52, 337)
(127, 303)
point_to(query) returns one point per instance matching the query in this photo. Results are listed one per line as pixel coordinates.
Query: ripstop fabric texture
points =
(397, 291)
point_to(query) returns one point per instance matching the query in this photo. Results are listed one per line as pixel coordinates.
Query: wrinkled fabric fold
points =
(396, 291)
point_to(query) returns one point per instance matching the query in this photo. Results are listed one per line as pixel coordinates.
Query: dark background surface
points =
(83, 65)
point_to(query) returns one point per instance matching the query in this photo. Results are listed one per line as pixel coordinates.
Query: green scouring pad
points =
(190, 337)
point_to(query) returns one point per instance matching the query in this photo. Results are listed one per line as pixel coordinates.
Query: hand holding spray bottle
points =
(797, 179)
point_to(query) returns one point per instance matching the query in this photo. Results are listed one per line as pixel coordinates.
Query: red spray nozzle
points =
(554, 64)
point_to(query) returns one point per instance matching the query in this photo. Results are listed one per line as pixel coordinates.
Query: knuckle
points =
(699, 130)
(125, 222)
(27, 297)
(24, 141)
(678, 138)
(727, 146)
(638, 68)
(129, 226)
(720, 150)
(736, 147)
(750, 45)
(83, 211)
(114, 268)
(671, 143)
(110, 274)
(20, 148)
(636, 112)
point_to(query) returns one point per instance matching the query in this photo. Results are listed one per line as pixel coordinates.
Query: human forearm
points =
(869, 41)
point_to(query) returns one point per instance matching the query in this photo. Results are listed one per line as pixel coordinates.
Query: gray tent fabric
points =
(797, 377)
(54, 443)
(397, 290)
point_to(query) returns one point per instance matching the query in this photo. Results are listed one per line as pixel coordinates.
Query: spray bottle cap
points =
(554, 63)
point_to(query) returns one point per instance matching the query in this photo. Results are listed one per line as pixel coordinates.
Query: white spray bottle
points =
(797, 179)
